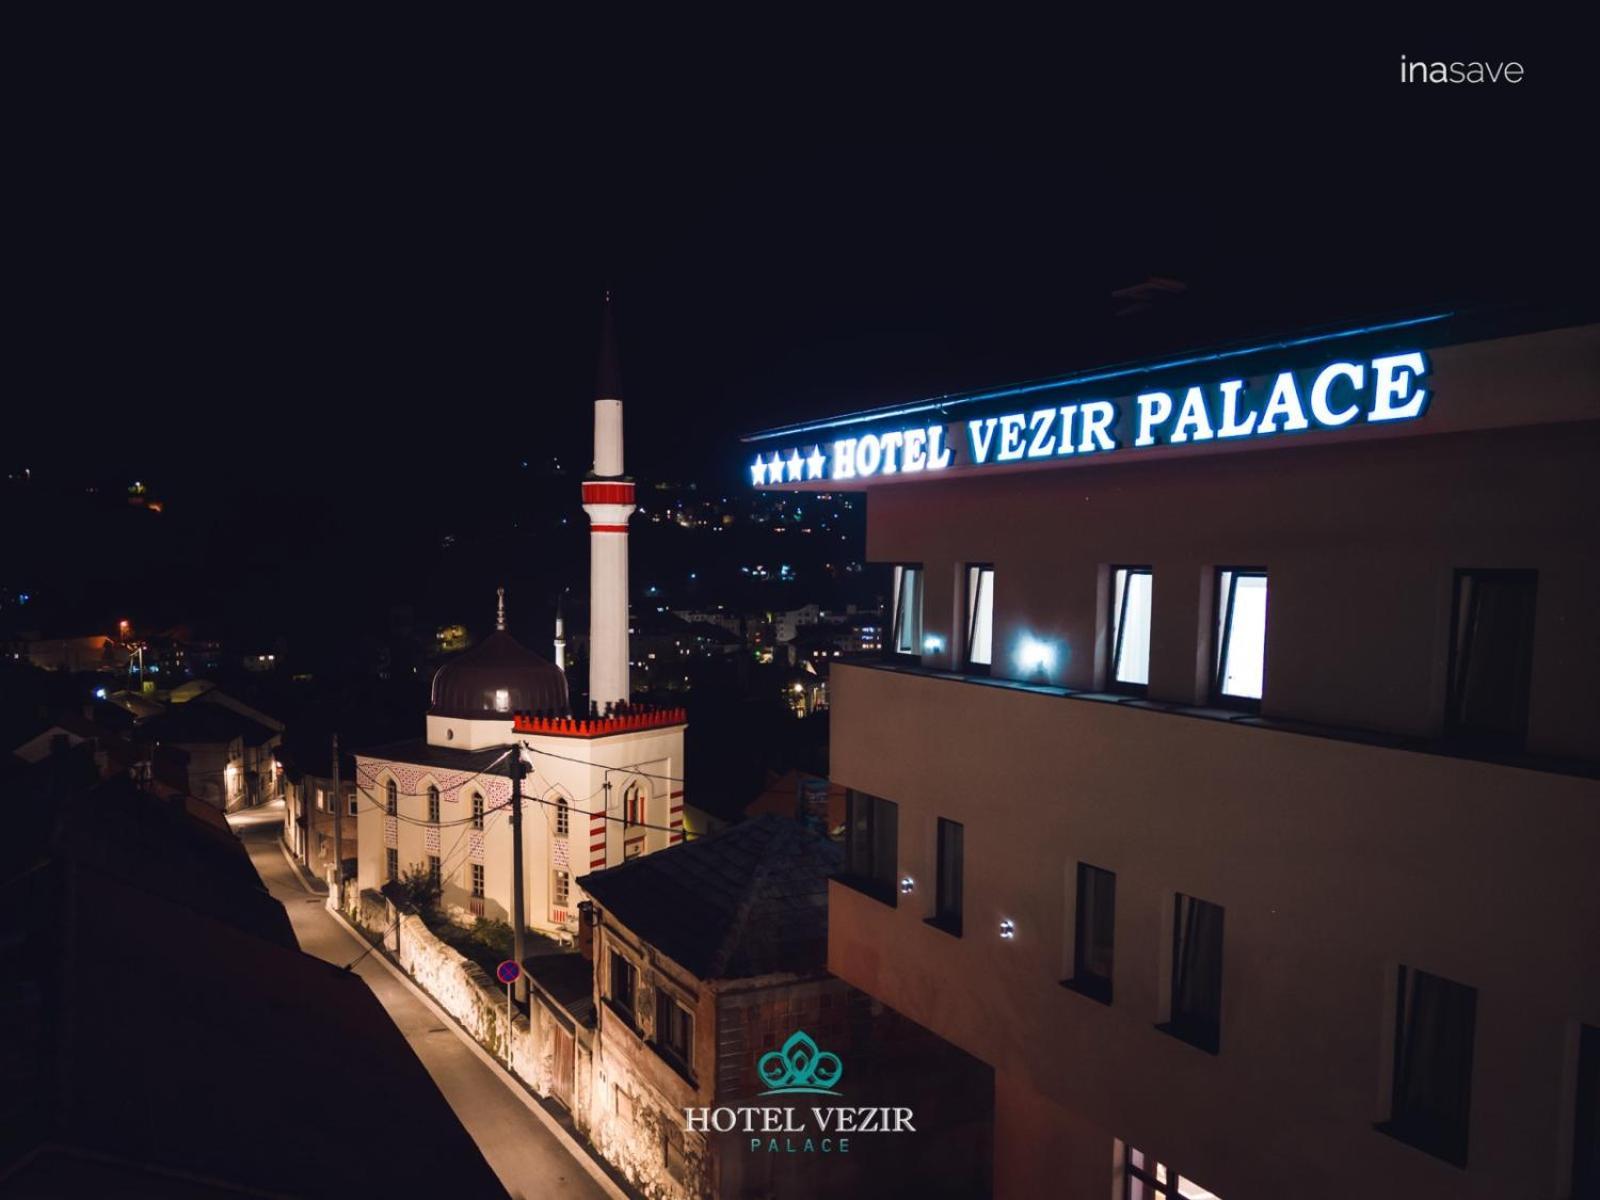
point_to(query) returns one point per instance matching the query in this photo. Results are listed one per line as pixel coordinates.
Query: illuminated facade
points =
(1230, 782)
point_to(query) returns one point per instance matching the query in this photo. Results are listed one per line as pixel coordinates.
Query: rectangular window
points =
(624, 980)
(1241, 637)
(433, 869)
(980, 618)
(1143, 1178)
(477, 880)
(322, 800)
(391, 864)
(560, 889)
(947, 915)
(1128, 660)
(1094, 930)
(1197, 974)
(562, 817)
(433, 805)
(1491, 656)
(872, 844)
(1432, 1092)
(674, 1031)
(477, 811)
(1586, 1127)
(355, 810)
(905, 630)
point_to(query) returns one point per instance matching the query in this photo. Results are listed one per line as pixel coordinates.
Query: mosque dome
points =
(497, 677)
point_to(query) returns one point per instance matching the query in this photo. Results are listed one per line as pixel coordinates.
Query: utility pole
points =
(517, 932)
(338, 831)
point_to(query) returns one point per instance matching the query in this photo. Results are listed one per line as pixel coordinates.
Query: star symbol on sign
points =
(814, 463)
(794, 465)
(775, 469)
(758, 473)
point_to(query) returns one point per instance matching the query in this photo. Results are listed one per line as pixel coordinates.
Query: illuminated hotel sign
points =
(1337, 395)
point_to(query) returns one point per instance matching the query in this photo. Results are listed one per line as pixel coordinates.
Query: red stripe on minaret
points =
(608, 493)
(608, 529)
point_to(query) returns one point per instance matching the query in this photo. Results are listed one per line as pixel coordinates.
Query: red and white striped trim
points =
(600, 492)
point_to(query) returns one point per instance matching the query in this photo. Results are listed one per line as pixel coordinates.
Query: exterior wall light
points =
(932, 644)
(1008, 928)
(907, 885)
(1035, 657)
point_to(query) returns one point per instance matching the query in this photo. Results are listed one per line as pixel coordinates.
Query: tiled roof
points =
(752, 900)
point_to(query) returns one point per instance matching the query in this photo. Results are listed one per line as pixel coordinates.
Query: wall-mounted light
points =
(1035, 657)
(907, 885)
(932, 644)
(1008, 928)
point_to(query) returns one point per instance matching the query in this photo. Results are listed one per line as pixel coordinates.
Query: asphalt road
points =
(528, 1158)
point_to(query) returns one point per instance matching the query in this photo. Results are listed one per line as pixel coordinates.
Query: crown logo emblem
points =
(799, 1067)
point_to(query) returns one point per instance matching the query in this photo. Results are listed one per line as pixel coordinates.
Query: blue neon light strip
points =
(951, 401)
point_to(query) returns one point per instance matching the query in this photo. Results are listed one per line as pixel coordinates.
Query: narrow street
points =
(529, 1159)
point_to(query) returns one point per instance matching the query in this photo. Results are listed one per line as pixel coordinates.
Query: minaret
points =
(561, 638)
(608, 499)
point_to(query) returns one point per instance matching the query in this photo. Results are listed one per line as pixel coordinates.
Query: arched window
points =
(562, 818)
(477, 810)
(391, 798)
(634, 800)
(433, 804)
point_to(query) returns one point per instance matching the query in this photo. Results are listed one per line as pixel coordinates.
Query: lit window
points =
(1094, 933)
(906, 629)
(477, 881)
(1491, 656)
(477, 810)
(1129, 660)
(560, 889)
(980, 618)
(1143, 1178)
(433, 804)
(391, 798)
(1197, 974)
(1241, 640)
(502, 700)
(1432, 1086)
(872, 844)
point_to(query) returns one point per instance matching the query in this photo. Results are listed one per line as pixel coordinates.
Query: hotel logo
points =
(799, 1067)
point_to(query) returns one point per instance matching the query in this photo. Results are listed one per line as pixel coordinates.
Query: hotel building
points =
(1229, 785)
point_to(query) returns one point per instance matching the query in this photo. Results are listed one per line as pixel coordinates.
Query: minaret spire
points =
(608, 499)
(561, 636)
(500, 609)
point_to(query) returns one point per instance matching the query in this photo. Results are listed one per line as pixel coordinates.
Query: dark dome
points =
(468, 684)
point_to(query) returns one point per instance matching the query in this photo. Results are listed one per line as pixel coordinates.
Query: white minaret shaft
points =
(561, 639)
(608, 499)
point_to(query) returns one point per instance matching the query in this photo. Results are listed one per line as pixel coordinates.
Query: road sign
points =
(509, 971)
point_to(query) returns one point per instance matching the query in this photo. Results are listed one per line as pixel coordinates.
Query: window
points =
(947, 913)
(905, 630)
(1128, 660)
(674, 1030)
(672, 1153)
(563, 817)
(355, 807)
(322, 800)
(1197, 974)
(502, 700)
(1434, 1020)
(1586, 1128)
(1094, 930)
(433, 869)
(433, 804)
(624, 980)
(1491, 656)
(477, 810)
(980, 618)
(1143, 1178)
(634, 799)
(871, 844)
(560, 888)
(391, 864)
(391, 798)
(1241, 641)
(477, 881)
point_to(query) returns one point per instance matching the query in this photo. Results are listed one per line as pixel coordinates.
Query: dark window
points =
(1094, 926)
(980, 619)
(905, 629)
(872, 844)
(1128, 652)
(391, 798)
(947, 914)
(562, 819)
(1432, 1094)
(477, 811)
(1491, 656)
(624, 979)
(1586, 1129)
(433, 804)
(1197, 974)
(674, 1031)
(433, 869)
(634, 798)
(1241, 637)
(391, 864)
(477, 880)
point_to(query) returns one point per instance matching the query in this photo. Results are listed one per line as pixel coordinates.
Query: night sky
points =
(328, 294)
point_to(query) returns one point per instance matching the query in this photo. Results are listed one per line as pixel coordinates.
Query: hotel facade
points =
(1229, 785)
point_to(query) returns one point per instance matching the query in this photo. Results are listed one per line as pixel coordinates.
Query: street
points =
(529, 1159)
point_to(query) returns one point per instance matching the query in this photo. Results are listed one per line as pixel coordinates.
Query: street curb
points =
(299, 875)
(573, 1147)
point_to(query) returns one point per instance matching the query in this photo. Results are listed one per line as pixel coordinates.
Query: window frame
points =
(1083, 981)
(435, 870)
(391, 864)
(478, 807)
(627, 1013)
(947, 917)
(391, 798)
(891, 643)
(1454, 728)
(871, 881)
(477, 881)
(1222, 637)
(1453, 1146)
(1168, 1189)
(433, 804)
(662, 1045)
(560, 888)
(1585, 1178)
(1116, 625)
(563, 817)
(970, 617)
(1189, 1027)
